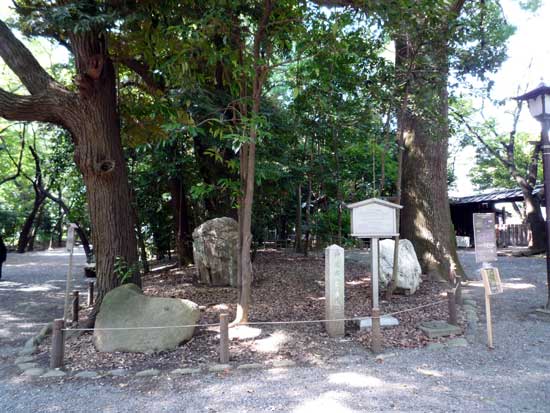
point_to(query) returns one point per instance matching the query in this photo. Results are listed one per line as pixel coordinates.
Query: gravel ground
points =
(513, 377)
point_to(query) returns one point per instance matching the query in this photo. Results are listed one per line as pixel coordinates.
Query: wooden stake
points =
(224, 338)
(58, 344)
(76, 306)
(90, 293)
(452, 307)
(458, 294)
(489, 321)
(376, 342)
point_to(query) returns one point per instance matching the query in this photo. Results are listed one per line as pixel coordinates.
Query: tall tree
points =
(90, 115)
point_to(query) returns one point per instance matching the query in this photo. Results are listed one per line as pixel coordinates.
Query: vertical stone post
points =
(334, 290)
(452, 307)
(224, 338)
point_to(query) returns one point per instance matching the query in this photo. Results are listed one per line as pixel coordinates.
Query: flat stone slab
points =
(283, 363)
(457, 342)
(350, 359)
(148, 373)
(250, 366)
(469, 301)
(53, 373)
(438, 328)
(185, 371)
(214, 368)
(34, 372)
(26, 366)
(87, 375)
(118, 372)
(385, 321)
(435, 346)
(24, 359)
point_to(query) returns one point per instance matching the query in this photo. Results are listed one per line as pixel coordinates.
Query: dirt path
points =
(513, 377)
(32, 293)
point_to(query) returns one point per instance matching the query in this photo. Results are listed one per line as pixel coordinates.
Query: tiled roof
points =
(500, 195)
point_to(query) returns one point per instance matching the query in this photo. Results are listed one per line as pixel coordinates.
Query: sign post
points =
(486, 252)
(374, 218)
(493, 286)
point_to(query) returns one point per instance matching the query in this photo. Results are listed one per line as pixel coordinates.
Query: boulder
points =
(127, 306)
(408, 276)
(215, 251)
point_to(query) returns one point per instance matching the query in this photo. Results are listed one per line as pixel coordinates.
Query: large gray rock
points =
(408, 276)
(215, 251)
(126, 306)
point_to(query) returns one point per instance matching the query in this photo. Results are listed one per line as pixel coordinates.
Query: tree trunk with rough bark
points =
(91, 116)
(426, 218)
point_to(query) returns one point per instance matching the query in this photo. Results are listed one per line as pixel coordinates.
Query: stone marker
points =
(438, 328)
(385, 321)
(334, 290)
(126, 306)
(215, 251)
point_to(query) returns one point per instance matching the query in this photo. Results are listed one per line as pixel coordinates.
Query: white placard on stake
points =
(493, 286)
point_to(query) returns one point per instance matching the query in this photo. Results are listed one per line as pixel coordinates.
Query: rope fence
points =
(58, 336)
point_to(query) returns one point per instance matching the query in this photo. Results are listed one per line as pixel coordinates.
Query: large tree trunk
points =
(94, 123)
(535, 220)
(426, 217)
(91, 117)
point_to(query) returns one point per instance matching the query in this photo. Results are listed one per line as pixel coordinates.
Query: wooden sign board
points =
(491, 281)
(485, 237)
(374, 218)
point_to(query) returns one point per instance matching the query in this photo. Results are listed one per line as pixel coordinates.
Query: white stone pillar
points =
(334, 290)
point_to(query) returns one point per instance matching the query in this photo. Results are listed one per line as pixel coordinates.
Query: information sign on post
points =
(374, 218)
(485, 238)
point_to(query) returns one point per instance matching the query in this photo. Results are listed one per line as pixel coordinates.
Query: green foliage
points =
(123, 271)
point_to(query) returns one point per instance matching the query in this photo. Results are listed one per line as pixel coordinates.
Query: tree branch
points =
(144, 72)
(39, 107)
(21, 61)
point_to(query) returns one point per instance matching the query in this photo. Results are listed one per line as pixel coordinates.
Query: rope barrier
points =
(252, 323)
